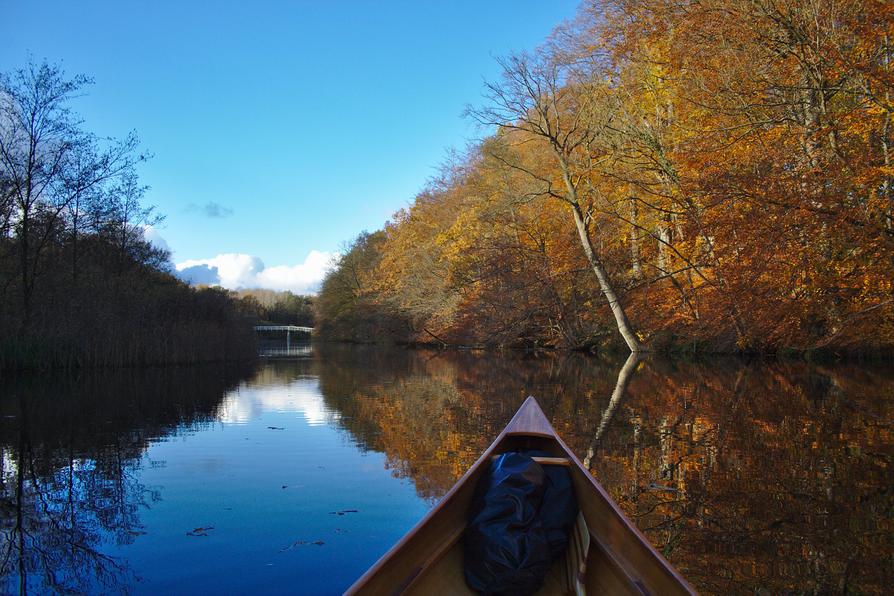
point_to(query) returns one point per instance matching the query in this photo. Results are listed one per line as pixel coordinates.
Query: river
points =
(293, 475)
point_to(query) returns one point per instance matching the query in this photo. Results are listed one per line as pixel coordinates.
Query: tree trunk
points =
(75, 222)
(634, 241)
(624, 326)
(664, 239)
(24, 247)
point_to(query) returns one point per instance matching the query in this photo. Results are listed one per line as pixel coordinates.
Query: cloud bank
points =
(235, 271)
(151, 235)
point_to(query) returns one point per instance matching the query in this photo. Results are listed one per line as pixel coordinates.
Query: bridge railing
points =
(296, 328)
(289, 329)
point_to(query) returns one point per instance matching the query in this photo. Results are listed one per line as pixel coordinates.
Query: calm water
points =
(296, 474)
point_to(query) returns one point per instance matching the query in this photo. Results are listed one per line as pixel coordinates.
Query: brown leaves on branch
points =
(716, 174)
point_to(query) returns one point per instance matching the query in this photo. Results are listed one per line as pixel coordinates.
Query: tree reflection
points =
(71, 452)
(749, 476)
(624, 377)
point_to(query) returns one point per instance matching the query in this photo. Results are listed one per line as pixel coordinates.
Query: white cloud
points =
(236, 270)
(151, 235)
(200, 274)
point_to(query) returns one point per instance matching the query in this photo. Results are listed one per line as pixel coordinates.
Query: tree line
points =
(712, 175)
(79, 284)
(278, 307)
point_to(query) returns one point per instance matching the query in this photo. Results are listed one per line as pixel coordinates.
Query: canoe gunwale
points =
(529, 421)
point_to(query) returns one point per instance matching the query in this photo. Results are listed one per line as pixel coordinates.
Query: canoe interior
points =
(429, 560)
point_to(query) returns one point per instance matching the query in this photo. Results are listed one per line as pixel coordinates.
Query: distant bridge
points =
(287, 328)
(284, 328)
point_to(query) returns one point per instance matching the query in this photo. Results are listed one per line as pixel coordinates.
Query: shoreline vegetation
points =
(714, 179)
(79, 284)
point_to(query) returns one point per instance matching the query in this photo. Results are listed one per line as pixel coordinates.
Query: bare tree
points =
(48, 162)
(536, 98)
(126, 216)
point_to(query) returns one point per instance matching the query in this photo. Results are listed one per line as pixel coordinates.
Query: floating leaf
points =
(200, 531)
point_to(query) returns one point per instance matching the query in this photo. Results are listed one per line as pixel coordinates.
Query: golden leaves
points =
(733, 161)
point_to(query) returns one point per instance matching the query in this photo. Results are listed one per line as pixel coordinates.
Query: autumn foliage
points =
(718, 171)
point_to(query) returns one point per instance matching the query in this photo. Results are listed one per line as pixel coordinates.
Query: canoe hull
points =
(429, 557)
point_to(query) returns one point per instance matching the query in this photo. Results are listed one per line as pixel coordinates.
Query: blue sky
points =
(279, 128)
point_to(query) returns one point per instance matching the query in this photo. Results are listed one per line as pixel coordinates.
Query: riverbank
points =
(693, 352)
(144, 318)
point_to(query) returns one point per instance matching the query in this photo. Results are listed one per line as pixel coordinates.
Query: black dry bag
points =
(520, 520)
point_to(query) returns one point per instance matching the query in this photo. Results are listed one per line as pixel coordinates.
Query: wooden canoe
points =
(429, 559)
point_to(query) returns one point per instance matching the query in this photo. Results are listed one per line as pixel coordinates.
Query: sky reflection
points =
(301, 395)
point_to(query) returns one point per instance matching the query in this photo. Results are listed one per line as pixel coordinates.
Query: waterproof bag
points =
(521, 517)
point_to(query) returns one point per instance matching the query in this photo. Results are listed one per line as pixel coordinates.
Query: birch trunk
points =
(634, 240)
(624, 326)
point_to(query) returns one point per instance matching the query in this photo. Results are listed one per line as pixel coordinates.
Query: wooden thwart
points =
(545, 461)
(552, 461)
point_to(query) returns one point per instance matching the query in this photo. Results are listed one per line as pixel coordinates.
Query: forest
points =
(79, 283)
(657, 176)
(278, 307)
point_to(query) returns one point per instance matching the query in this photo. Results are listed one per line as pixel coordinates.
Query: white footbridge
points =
(289, 329)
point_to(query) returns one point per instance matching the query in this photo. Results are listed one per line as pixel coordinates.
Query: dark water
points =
(296, 474)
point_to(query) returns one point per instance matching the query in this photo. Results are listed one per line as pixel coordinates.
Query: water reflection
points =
(277, 351)
(70, 479)
(269, 393)
(750, 476)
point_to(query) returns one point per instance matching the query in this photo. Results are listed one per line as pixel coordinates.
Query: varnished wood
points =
(529, 420)
(552, 461)
(545, 461)
(428, 559)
